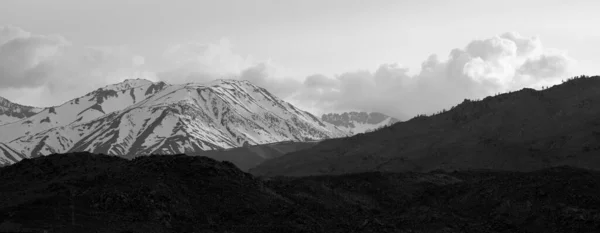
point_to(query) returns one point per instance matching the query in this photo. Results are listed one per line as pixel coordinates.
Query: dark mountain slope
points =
(247, 157)
(174, 193)
(522, 131)
(96, 193)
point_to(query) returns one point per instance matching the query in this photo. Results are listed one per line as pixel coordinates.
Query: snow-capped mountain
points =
(138, 117)
(83, 109)
(8, 155)
(358, 122)
(11, 112)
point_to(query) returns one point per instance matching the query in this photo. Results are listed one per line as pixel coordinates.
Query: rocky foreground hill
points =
(523, 130)
(83, 192)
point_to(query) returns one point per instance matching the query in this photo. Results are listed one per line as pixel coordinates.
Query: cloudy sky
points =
(397, 57)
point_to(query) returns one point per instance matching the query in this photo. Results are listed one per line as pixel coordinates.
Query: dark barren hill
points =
(524, 130)
(176, 193)
(247, 157)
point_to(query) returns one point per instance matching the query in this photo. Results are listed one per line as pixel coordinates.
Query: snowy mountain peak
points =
(358, 122)
(11, 112)
(158, 118)
(95, 104)
(126, 84)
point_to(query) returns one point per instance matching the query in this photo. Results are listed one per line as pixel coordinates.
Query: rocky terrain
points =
(523, 130)
(139, 117)
(81, 192)
(359, 122)
(11, 112)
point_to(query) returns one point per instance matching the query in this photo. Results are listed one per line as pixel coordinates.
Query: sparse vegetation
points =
(493, 133)
(95, 193)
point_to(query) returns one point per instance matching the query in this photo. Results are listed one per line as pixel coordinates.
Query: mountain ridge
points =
(522, 130)
(138, 117)
(11, 112)
(359, 122)
(94, 104)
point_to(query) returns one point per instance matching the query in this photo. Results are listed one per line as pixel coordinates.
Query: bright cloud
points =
(196, 62)
(49, 65)
(56, 70)
(483, 67)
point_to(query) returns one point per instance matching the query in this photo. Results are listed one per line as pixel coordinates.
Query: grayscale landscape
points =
(299, 116)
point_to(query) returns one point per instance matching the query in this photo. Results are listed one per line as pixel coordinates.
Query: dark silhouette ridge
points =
(518, 131)
(83, 192)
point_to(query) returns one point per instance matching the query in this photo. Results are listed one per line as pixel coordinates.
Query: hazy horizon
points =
(399, 58)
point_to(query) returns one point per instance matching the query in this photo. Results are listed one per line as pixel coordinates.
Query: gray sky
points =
(355, 52)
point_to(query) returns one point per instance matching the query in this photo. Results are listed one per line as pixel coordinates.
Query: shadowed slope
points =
(96, 193)
(247, 157)
(522, 131)
(149, 194)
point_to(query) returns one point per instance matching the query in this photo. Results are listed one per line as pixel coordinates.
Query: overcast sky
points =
(397, 57)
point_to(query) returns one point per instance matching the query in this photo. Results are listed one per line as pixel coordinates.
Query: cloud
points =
(56, 69)
(264, 75)
(546, 65)
(201, 63)
(196, 62)
(138, 60)
(8, 33)
(320, 81)
(25, 59)
(483, 67)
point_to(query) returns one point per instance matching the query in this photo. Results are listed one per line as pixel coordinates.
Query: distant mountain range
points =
(11, 112)
(520, 131)
(428, 174)
(359, 122)
(140, 117)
